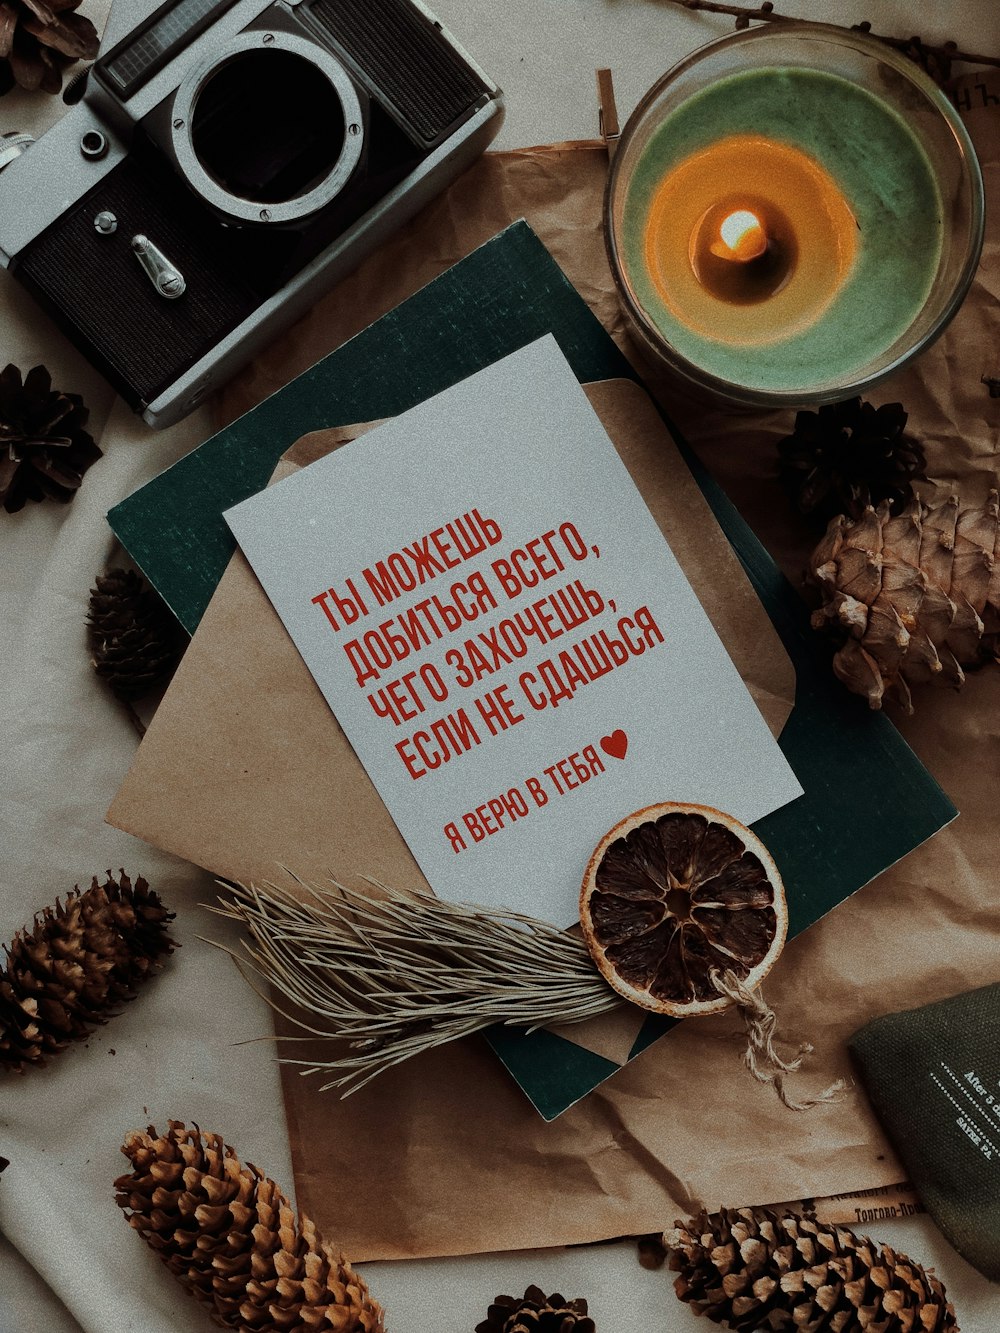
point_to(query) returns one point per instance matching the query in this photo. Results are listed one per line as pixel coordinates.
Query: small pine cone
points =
(652, 1251)
(44, 449)
(913, 598)
(751, 1269)
(849, 455)
(38, 40)
(231, 1238)
(76, 965)
(135, 639)
(534, 1312)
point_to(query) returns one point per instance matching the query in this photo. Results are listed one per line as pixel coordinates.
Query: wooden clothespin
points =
(607, 111)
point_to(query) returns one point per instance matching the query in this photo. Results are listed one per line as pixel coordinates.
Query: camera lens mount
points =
(269, 130)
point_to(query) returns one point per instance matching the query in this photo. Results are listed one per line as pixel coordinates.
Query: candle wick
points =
(742, 238)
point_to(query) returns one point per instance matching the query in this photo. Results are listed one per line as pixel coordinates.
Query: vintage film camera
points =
(229, 161)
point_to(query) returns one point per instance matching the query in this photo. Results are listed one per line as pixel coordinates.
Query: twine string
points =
(761, 1057)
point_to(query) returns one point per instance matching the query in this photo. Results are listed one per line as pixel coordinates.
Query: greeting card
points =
(505, 636)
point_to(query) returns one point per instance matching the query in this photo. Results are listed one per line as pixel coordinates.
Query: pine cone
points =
(38, 39)
(231, 1237)
(534, 1312)
(849, 455)
(77, 964)
(44, 449)
(135, 639)
(914, 598)
(652, 1252)
(752, 1270)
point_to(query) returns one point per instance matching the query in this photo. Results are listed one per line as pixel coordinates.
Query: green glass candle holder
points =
(864, 116)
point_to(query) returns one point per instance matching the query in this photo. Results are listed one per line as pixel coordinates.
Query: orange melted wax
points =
(810, 230)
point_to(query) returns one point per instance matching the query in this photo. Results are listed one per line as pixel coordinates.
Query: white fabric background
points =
(67, 1260)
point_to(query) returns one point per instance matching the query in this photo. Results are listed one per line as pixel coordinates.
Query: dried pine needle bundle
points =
(401, 973)
(683, 913)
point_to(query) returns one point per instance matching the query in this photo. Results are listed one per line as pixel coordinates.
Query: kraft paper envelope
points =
(244, 768)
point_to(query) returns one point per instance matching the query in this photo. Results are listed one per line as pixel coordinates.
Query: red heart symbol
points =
(615, 745)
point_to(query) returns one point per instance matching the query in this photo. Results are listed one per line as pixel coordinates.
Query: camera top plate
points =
(154, 42)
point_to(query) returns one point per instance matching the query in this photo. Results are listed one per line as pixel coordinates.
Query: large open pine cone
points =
(751, 1270)
(232, 1239)
(913, 598)
(136, 640)
(79, 962)
(38, 39)
(44, 449)
(534, 1312)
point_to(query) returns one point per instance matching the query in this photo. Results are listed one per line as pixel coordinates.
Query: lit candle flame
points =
(742, 237)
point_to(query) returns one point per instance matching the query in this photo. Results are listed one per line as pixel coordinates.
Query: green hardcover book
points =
(868, 800)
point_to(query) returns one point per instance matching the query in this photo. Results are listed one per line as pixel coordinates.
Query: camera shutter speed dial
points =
(167, 280)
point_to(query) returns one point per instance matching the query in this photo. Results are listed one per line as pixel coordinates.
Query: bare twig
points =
(401, 973)
(937, 59)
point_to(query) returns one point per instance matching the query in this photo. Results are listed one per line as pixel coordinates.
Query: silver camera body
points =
(230, 160)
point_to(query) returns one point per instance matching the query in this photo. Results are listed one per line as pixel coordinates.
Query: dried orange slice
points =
(675, 893)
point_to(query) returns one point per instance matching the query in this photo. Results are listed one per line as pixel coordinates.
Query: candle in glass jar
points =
(782, 227)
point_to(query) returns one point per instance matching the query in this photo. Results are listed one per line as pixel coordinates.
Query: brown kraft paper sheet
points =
(453, 1158)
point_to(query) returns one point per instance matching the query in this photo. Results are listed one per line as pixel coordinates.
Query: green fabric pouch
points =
(933, 1076)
